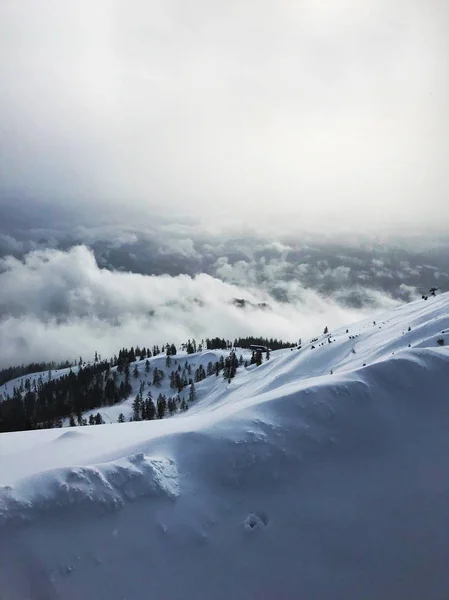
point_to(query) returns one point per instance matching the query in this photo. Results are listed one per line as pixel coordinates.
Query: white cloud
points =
(377, 262)
(57, 305)
(182, 246)
(252, 115)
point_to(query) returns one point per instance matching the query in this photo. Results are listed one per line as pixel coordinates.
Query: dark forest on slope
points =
(47, 400)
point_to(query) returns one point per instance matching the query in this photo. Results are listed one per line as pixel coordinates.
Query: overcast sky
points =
(304, 110)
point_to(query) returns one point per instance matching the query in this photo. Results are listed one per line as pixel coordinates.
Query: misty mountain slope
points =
(277, 485)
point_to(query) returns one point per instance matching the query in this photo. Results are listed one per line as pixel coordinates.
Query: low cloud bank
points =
(59, 304)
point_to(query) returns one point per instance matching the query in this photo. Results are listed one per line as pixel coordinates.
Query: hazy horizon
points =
(158, 160)
(68, 290)
(268, 115)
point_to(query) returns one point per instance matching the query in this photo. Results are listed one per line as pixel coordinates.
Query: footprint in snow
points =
(255, 521)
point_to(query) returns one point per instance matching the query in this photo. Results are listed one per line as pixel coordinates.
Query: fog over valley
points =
(75, 289)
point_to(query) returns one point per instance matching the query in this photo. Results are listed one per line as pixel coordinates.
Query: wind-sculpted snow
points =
(288, 482)
(105, 486)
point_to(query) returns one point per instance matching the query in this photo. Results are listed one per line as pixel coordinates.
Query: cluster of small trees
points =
(218, 344)
(246, 342)
(96, 420)
(271, 343)
(144, 409)
(127, 356)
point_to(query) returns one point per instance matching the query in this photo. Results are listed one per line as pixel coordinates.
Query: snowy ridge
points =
(339, 481)
(290, 380)
(108, 485)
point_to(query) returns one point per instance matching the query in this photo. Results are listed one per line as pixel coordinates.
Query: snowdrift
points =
(289, 482)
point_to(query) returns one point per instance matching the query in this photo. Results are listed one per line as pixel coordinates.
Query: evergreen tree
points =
(111, 393)
(173, 380)
(230, 366)
(157, 377)
(181, 382)
(147, 366)
(227, 369)
(121, 418)
(128, 387)
(192, 392)
(150, 409)
(200, 374)
(136, 371)
(161, 406)
(137, 408)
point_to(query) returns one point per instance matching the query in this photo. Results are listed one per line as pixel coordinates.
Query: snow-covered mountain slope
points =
(288, 482)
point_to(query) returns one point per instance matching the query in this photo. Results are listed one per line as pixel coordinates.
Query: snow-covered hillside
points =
(323, 473)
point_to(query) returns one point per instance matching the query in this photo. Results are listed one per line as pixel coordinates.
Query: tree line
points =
(21, 370)
(45, 401)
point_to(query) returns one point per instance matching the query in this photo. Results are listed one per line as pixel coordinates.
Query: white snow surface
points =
(289, 482)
